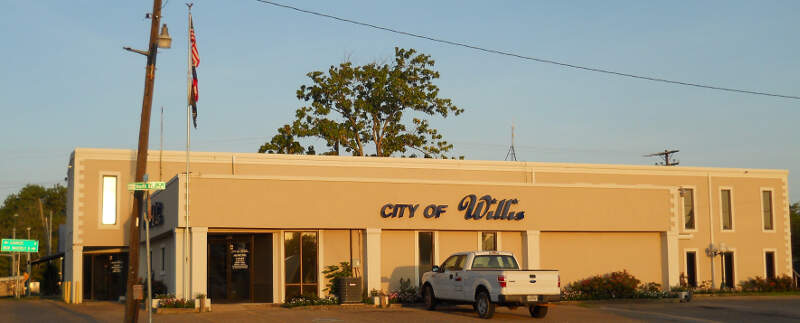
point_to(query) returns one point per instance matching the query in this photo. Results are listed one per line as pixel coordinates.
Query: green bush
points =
(618, 284)
(333, 273)
(406, 294)
(781, 283)
(176, 303)
(310, 300)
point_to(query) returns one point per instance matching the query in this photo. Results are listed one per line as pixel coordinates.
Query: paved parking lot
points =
(719, 309)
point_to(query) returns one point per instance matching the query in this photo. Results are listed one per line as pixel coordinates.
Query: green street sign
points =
(144, 186)
(19, 245)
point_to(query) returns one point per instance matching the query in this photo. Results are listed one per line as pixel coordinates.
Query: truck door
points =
(444, 280)
(458, 278)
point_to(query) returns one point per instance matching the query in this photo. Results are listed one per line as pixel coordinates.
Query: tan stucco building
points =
(263, 227)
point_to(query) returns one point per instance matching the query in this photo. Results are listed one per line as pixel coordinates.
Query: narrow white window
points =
(109, 200)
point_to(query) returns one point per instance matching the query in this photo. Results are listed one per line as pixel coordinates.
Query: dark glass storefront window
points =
(300, 263)
(105, 276)
(691, 268)
(240, 267)
(425, 253)
(769, 260)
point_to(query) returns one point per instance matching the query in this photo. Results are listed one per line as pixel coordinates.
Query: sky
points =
(67, 83)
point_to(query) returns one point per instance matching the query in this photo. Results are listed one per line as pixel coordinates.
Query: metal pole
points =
(28, 266)
(50, 234)
(14, 268)
(147, 247)
(186, 290)
(131, 305)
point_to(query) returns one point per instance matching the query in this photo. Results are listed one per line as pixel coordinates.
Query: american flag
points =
(194, 96)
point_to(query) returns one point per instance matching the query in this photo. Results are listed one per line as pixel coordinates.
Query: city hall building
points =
(262, 228)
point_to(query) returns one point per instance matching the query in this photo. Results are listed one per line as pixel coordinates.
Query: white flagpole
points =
(188, 143)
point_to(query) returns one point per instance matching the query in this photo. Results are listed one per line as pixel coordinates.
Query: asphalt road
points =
(712, 309)
(719, 309)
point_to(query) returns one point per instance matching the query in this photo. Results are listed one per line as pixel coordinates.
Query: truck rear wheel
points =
(538, 311)
(429, 297)
(484, 305)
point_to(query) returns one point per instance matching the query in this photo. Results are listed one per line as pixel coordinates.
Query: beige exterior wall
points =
(397, 258)
(450, 242)
(511, 242)
(748, 240)
(577, 254)
(632, 216)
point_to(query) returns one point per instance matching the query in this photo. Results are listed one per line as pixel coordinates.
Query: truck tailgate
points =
(531, 282)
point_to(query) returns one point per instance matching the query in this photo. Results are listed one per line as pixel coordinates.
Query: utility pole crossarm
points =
(665, 155)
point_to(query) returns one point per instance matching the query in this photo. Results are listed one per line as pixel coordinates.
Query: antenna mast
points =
(512, 154)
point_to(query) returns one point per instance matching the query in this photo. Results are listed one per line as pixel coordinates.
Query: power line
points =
(540, 60)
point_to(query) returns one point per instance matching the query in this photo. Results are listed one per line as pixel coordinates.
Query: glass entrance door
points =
(239, 256)
(240, 268)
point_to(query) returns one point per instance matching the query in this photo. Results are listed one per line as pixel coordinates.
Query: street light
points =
(163, 41)
(718, 250)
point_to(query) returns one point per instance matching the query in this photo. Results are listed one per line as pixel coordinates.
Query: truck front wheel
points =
(429, 297)
(538, 311)
(484, 305)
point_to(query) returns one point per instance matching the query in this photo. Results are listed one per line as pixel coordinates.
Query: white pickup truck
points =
(489, 278)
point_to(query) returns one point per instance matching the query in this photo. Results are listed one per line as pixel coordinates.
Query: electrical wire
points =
(540, 60)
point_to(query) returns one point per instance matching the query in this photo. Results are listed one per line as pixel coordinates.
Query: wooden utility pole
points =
(131, 305)
(666, 156)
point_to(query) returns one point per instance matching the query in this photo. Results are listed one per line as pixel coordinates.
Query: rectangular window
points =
(727, 215)
(163, 259)
(688, 208)
(109, 215)
(766, 201)
(489, 241)
(728, 280)
(495, 262)
(300, 261)
(691, 268)
(425, 242)
(769, 261)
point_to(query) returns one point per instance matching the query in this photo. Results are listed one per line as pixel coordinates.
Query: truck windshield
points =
(494, 262)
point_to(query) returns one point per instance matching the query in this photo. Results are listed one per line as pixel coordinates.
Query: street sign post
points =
(145, 186)
(19, 245)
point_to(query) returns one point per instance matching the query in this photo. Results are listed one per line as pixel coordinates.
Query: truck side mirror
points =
(435, 269)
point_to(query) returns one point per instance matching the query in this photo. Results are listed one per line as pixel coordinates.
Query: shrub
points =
(781, 283)
(295, 301)
(333, 273)
(618, 284)
(176, 303)
(406, 294)
(158, 287)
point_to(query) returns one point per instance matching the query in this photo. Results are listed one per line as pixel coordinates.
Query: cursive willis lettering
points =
(489, 208)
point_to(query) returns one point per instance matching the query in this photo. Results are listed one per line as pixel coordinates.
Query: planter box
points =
(206, 307)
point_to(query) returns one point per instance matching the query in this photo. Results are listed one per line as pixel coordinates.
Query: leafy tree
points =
(373, 107)
(25, 204)
(282, 143)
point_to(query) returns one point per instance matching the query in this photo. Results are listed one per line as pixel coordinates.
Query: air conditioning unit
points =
(349, 290)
